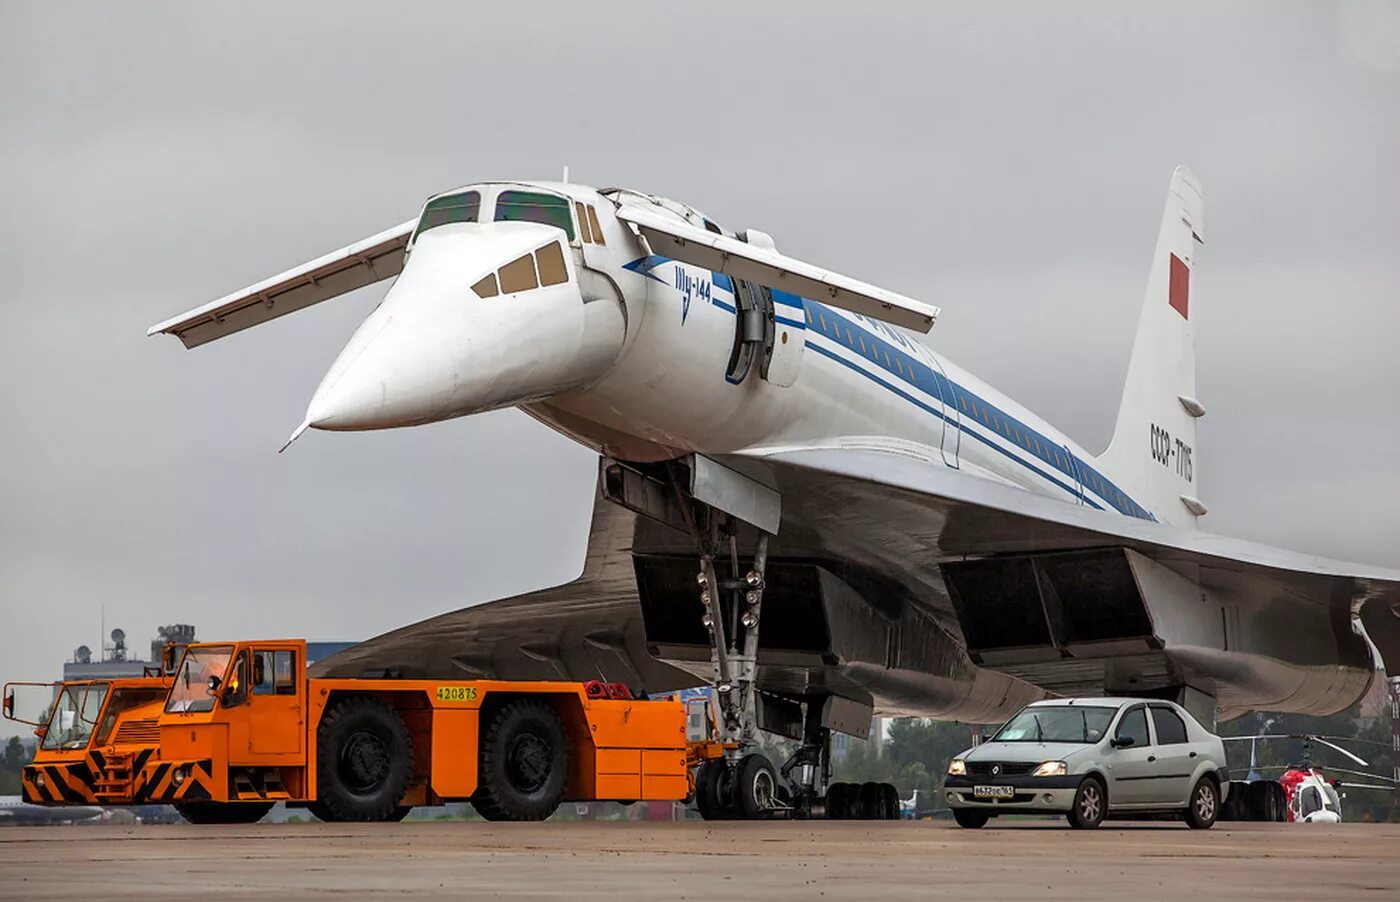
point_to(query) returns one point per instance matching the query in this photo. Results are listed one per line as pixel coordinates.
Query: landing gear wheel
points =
(970, 818)
(837, 805)
(364, 760)
(890, 798)
(755, 789)
(1236, 804)
(524, 763)
(1204, 807)
(712, 794)
(1263, 804)
(870, 802)
(224, 812)
(1090, 805)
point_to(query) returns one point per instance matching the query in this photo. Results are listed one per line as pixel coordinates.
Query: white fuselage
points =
(860, 383)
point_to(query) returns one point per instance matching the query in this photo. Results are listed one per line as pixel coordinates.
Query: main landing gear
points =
(743, 784)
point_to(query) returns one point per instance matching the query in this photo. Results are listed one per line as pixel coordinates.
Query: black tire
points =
(1203, 806)
(1280, 801)
(1260, 803)
(319, 812)
(1236, 804)
(837, 805)
(755, 791)
(890, 798)
(364, 760)
(224, 812)
(871, 802)
(399, 814)
(524, 764)
(1090, 804)
(970, 818)
(711, 785)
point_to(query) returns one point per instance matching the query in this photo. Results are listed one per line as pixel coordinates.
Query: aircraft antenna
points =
(566, 174)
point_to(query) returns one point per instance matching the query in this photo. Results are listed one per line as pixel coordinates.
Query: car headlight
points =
(957, 768)
(1051, 769)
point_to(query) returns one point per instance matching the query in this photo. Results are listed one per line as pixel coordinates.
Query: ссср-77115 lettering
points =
(800, 501)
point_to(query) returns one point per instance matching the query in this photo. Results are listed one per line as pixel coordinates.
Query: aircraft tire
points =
(524, 763)
(1260, 804)
(224, 812)
(870, 802)
(890, 798)
(755, 787)
(970, 818)
(1090, 804)
(837, 806)
(1203, 807)
(1236, 804)
(1280, 801)
(364, 760)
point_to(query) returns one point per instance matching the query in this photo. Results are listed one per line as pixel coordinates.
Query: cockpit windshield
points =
(463, 207)
(1057, 723)
(74, 716)
(532, 206)
(192, 691)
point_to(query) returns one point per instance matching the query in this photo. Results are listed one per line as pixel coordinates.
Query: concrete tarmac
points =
(694, 860)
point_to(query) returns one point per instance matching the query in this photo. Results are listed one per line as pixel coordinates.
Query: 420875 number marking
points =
(456, 693)
(1168, 451)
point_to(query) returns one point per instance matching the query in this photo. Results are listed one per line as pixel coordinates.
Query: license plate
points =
(993, 792)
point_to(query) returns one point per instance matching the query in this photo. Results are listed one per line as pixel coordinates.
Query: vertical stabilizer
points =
(1153, 451)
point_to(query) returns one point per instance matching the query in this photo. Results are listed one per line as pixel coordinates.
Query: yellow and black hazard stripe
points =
(175, 781)
(58, 784)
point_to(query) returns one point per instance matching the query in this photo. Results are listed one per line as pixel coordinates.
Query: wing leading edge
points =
(363, 263)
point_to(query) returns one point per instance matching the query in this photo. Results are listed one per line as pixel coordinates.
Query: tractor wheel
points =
(712, 790)
(524, 763)
(224, 812)
(364, 760)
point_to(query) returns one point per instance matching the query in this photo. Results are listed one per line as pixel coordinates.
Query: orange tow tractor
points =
(243, 727)
(97, 736)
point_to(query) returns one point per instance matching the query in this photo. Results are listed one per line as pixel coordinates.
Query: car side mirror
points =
(1122, 742)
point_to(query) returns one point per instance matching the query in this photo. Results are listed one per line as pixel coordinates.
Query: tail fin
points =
(1153, 450)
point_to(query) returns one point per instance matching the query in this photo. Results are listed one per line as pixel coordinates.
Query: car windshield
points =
(74, 716)
(1057, 723)
(191, 689)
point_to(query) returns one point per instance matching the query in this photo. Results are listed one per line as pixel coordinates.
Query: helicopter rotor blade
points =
(1332, 745)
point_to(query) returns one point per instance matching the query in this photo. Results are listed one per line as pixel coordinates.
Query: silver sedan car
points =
(1092, 758)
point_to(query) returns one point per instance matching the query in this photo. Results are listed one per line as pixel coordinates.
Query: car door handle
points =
(1192, 755)
(1151, 757)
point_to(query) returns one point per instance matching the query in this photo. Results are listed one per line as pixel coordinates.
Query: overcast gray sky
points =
(1008, 164)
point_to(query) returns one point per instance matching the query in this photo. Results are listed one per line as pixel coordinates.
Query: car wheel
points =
(970, 818)
(1204, 806)
(1090, 804)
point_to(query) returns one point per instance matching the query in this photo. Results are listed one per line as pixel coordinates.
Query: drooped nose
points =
(482, 316)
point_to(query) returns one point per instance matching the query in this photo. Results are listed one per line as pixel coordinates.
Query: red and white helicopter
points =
(1309, 796)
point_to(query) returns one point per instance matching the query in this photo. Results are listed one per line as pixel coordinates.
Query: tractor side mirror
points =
(213, 687)
(9, 705)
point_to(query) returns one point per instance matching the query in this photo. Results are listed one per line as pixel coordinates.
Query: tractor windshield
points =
(74, 715)
(200, 676)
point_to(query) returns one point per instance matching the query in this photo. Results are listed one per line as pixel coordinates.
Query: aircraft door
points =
(950, 442)
(784, 358)
(1078, 472)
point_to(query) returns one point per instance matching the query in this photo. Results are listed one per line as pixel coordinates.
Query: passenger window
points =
(529, 206)
(583, 222)
(1170, 728)
(285, 668)
(263, 672)
(593, 224)
(518, 275)
(1134, 724)
(486, 288)
(551, 263)
(236, 692)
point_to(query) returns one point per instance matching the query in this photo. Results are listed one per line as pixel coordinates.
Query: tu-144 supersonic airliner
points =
(799, 501)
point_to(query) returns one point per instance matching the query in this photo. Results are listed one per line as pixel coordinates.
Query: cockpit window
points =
(487, 287)
(464, 207)
(551, 264)
(530, 206)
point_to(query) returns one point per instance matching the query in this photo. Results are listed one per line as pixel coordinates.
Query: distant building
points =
(115, 662)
